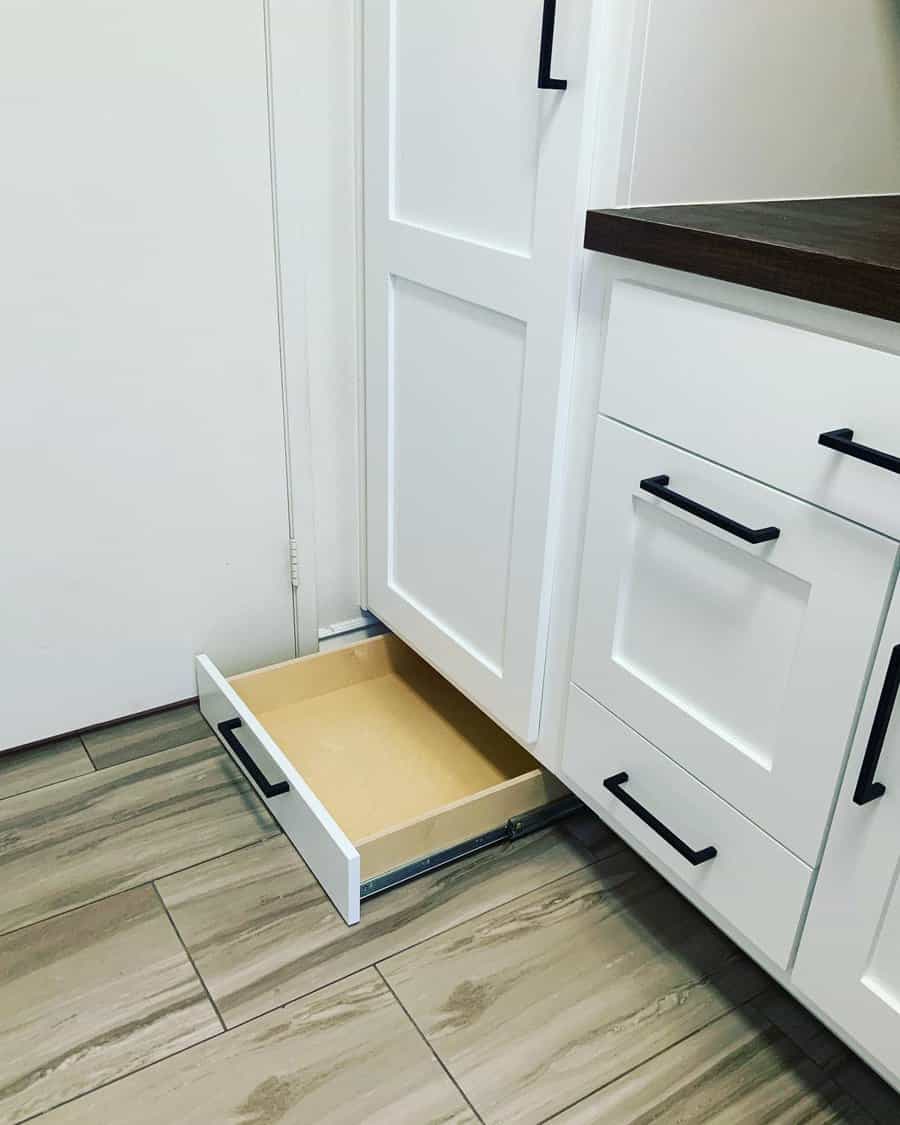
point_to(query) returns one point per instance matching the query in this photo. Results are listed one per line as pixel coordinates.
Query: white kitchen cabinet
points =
(714, 699)
(738, 645)
(849, 958)
(472, 219)
(476, 183)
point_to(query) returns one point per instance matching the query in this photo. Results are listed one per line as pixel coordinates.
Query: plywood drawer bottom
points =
(371, 762)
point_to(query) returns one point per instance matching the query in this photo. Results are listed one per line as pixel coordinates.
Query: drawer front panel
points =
(751, 881)
(331, 857)
(755, 395)
(743, 661)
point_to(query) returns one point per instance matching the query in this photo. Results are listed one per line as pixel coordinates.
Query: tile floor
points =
(166, 957)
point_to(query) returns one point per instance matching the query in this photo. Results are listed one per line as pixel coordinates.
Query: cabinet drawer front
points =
(743, 661)
(374, 765)
(849, 957)
(755, 395)
(330, 855)
(751, 882)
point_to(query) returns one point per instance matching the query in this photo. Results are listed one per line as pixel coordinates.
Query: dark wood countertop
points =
(842, 252)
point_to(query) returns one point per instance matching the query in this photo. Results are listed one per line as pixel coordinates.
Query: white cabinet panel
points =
(472, 178)
(743, 662)
(452, 524)
(849, 958)
(467, 143)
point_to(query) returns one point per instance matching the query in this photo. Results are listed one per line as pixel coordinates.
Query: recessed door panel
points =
(687, 598)
(453, 468)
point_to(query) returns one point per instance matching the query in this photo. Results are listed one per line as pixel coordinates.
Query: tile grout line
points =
(104, 769)
(90, 758)
(431, 1049)
(152, 753)
(415, 944)
(136, 886)
(227, 1031)
(119, 1078)
(665, 1050)
(188, 954)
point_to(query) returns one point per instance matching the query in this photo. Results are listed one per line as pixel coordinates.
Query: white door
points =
(471, 229)
(743, 661)
(141, 438)
(849, 958)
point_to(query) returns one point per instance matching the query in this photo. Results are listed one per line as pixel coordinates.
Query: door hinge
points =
(295, 565)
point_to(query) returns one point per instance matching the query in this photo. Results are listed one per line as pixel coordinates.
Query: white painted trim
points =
(286, 162)
(360, 232)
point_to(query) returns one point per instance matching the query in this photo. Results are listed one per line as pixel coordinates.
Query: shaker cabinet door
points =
(728, 624)
(471, 177)
(849, 958)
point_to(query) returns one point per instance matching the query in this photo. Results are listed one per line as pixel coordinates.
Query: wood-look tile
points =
(538, 1003)
(345, 1055)
(738, 1070)
(261, 931)
(90, 996)
(42, 765)
(78, 841)
(149, 734)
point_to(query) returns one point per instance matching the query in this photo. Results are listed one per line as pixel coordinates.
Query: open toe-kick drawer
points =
(375, 766)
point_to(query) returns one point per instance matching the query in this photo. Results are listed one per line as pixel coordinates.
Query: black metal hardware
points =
(266, 787)
(614, 785)
(867, 788)
(545, 82)
(842, 441)
(657, 486)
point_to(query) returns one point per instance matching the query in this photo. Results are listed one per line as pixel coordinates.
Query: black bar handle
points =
(658, 486)
(842, 441)
(614, 785)
(548, 25)
(867, 788)
(265, 786)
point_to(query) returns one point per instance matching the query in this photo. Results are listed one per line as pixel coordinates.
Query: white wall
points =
(142, 465)
(154, 320)
(315, 90)
(757, 99)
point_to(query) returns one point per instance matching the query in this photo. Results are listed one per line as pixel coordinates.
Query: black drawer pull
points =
(657, 486)
(614, 785)
(842, 441)
(867, 788)
(548, 25)
(265, 786)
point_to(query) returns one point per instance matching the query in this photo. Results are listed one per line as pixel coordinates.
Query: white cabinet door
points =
(471, 232)
(141, 441)
(849, 958)
(742, 661)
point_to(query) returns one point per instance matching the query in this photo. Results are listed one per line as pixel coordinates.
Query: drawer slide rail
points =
(522, 825)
